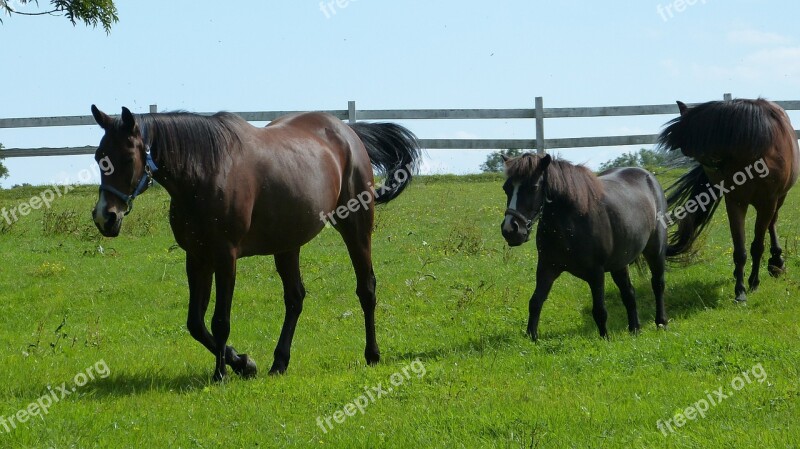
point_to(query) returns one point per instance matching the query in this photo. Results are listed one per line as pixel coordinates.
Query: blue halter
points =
(145, 181)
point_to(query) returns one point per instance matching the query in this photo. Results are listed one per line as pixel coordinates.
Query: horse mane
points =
(191, 144)
(565, 181)
(719, 129)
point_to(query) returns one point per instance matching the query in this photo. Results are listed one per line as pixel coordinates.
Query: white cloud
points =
(755, 37)
(769, 65)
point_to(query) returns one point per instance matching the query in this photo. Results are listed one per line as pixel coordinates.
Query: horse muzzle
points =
(107, 221)
(515, 234)
(108, 225)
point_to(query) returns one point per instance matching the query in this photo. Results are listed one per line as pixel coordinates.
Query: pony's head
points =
(525, 195)
(126, 167)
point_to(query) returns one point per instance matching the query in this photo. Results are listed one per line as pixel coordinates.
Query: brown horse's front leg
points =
(736, 215)
(225, 276)
(199, 273)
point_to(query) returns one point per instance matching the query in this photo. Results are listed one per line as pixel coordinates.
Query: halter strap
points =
(529, 221)
(517, 214)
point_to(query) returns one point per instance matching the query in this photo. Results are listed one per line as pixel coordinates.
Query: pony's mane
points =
(565, 181)
(716, 129)
(191, 144)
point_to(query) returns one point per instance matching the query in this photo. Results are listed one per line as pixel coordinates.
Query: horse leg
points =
(288, 266)
(736, 215)
(357, 234)
(225, 276)
(597, 284)
(200, 273)
(656, 261)
(545, 277)
(623, 280)
(776, 263)
(763, 219)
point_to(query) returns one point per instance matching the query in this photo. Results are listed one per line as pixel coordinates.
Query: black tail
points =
(693, 186)
(394, 151)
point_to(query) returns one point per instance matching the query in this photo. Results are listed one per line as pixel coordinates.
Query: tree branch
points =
(33, 13)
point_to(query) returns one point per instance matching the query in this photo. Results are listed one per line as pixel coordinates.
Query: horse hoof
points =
(661, 327)
(277, 370)
(741, 298)
(775, 271)
(249, 368)
(219, 378)
(372, 358)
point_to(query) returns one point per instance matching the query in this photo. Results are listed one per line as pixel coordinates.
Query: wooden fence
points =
(538, 114)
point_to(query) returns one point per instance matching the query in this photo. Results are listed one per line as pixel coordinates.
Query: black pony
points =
(588, 225)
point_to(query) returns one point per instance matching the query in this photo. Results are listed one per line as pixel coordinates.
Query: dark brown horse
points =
(238, 191)
(748, 150)
(588, 226)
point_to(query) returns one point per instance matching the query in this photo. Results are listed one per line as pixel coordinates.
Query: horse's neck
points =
(558, 209)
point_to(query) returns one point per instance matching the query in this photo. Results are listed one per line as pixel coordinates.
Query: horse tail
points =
(694, 186)
(394, 151)
(715, 131)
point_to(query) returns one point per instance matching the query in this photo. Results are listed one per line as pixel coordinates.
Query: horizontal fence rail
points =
(351, 114)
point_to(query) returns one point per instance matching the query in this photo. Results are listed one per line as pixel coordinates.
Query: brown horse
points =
(238, 191)
(748, 150)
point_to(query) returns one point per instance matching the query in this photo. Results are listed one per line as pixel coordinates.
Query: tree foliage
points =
(3, 169)
(494, 161)
(90, 12)
(645, 158)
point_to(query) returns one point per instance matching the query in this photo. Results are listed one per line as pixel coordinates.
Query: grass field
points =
(451, 295)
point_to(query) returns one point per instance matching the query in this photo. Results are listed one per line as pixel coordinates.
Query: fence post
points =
(727, 97)
(351, 112)
(540, 126)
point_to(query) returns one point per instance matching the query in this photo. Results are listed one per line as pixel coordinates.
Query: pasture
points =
(450, 294)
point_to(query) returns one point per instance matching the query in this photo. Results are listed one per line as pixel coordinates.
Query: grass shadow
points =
(680, 300)
(131, 384)
(475, 345)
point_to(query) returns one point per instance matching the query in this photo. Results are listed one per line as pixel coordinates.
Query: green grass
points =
(450, 294)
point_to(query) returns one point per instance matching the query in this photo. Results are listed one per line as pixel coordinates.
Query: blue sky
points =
(268, 55)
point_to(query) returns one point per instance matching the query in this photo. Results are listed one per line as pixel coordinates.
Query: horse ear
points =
(128, 121)
(504, 157)
(682, 107)
(101, 117)
(546, 161)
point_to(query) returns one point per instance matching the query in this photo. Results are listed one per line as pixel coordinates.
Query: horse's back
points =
(633, 200)
(628, 185)
(297, 169)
